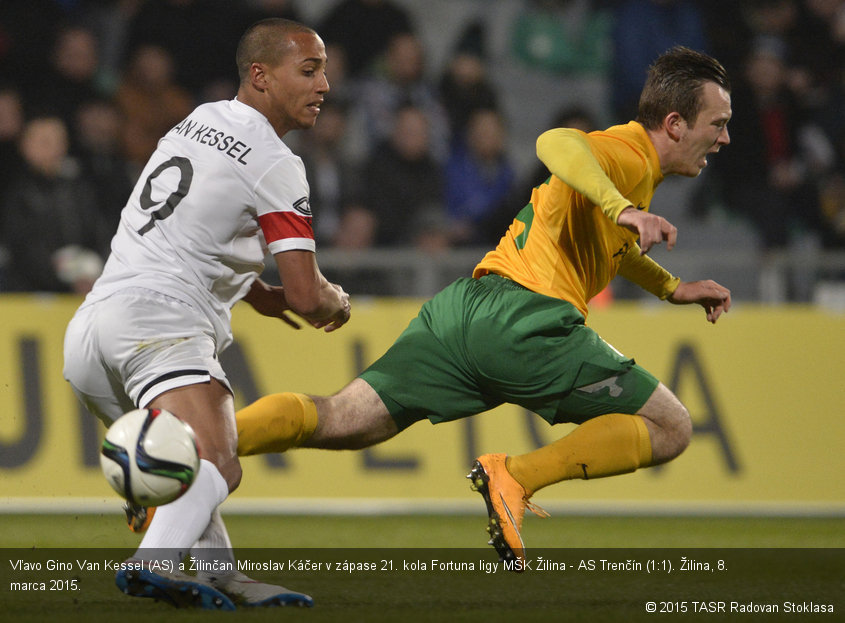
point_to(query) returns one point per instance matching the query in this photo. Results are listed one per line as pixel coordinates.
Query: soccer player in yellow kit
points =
(515, 332)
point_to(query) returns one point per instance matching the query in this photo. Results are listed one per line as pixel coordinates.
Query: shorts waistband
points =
(504, 282)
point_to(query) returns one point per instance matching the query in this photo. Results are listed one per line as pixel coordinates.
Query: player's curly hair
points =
(674, 84)
(266, 41)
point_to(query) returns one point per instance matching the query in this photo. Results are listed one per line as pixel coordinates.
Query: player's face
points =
(707, 135)
(297, 85)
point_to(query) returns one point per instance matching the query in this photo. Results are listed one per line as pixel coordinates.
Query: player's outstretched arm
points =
(322, 304)
(715, 299)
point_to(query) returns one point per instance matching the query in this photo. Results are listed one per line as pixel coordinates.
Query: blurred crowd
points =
(406, 152)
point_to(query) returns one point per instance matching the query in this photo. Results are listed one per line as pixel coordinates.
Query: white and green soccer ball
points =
(150, 457)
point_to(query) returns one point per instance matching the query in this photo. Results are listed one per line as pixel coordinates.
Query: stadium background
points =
(759, 488)
(763, 386)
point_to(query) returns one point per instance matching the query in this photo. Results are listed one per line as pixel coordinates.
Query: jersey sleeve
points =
(567, 154)
(284, 213)
(647, 273)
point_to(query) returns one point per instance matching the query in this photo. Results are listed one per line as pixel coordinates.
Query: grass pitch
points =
(382, 568)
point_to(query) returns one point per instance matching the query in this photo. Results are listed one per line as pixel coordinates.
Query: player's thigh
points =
(98, 390)
(426, 372)
(418, 378)
(625, 390)
(153, 343)
(536, 351)
(665, 410)
(209, 409)
(168, 359)
(136, 345)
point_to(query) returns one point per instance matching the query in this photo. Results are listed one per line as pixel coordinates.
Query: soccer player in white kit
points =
(220, 191)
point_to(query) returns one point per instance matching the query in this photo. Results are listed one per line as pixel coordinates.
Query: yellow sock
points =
(604, 446)
(275, 423)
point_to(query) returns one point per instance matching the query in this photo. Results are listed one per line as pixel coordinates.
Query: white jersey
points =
(220, 191)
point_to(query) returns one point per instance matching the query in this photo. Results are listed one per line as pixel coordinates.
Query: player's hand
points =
(715, 299)
(651, 228)
(288, 320)
(270, 301)
(340, 317)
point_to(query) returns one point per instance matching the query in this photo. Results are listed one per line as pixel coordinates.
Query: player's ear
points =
(673, 124)
(258, 76)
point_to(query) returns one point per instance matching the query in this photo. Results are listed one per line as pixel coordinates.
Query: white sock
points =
(215, 535)
(177, 526)
(212, 553)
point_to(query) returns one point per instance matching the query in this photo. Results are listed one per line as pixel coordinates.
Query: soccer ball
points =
(150, 456)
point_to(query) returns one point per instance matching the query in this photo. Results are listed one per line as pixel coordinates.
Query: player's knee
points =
(669, 424)
(229, 467)
(232, 473)
(680, 432)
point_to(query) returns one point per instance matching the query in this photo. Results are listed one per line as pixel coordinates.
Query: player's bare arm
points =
(309, 294)
(714, 298)
(651, 228)
(270, 300)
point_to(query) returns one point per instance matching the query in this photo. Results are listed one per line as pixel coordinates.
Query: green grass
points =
(768, 560)
(459, 531)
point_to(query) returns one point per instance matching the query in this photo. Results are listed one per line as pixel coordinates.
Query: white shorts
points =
(123, 351)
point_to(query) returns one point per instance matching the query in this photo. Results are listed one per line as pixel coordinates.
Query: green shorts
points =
(483, 342)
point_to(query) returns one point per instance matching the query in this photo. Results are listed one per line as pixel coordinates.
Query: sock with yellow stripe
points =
(603, 446)
(275, 423)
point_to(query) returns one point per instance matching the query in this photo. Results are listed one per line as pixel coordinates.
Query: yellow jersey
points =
(565, 243)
